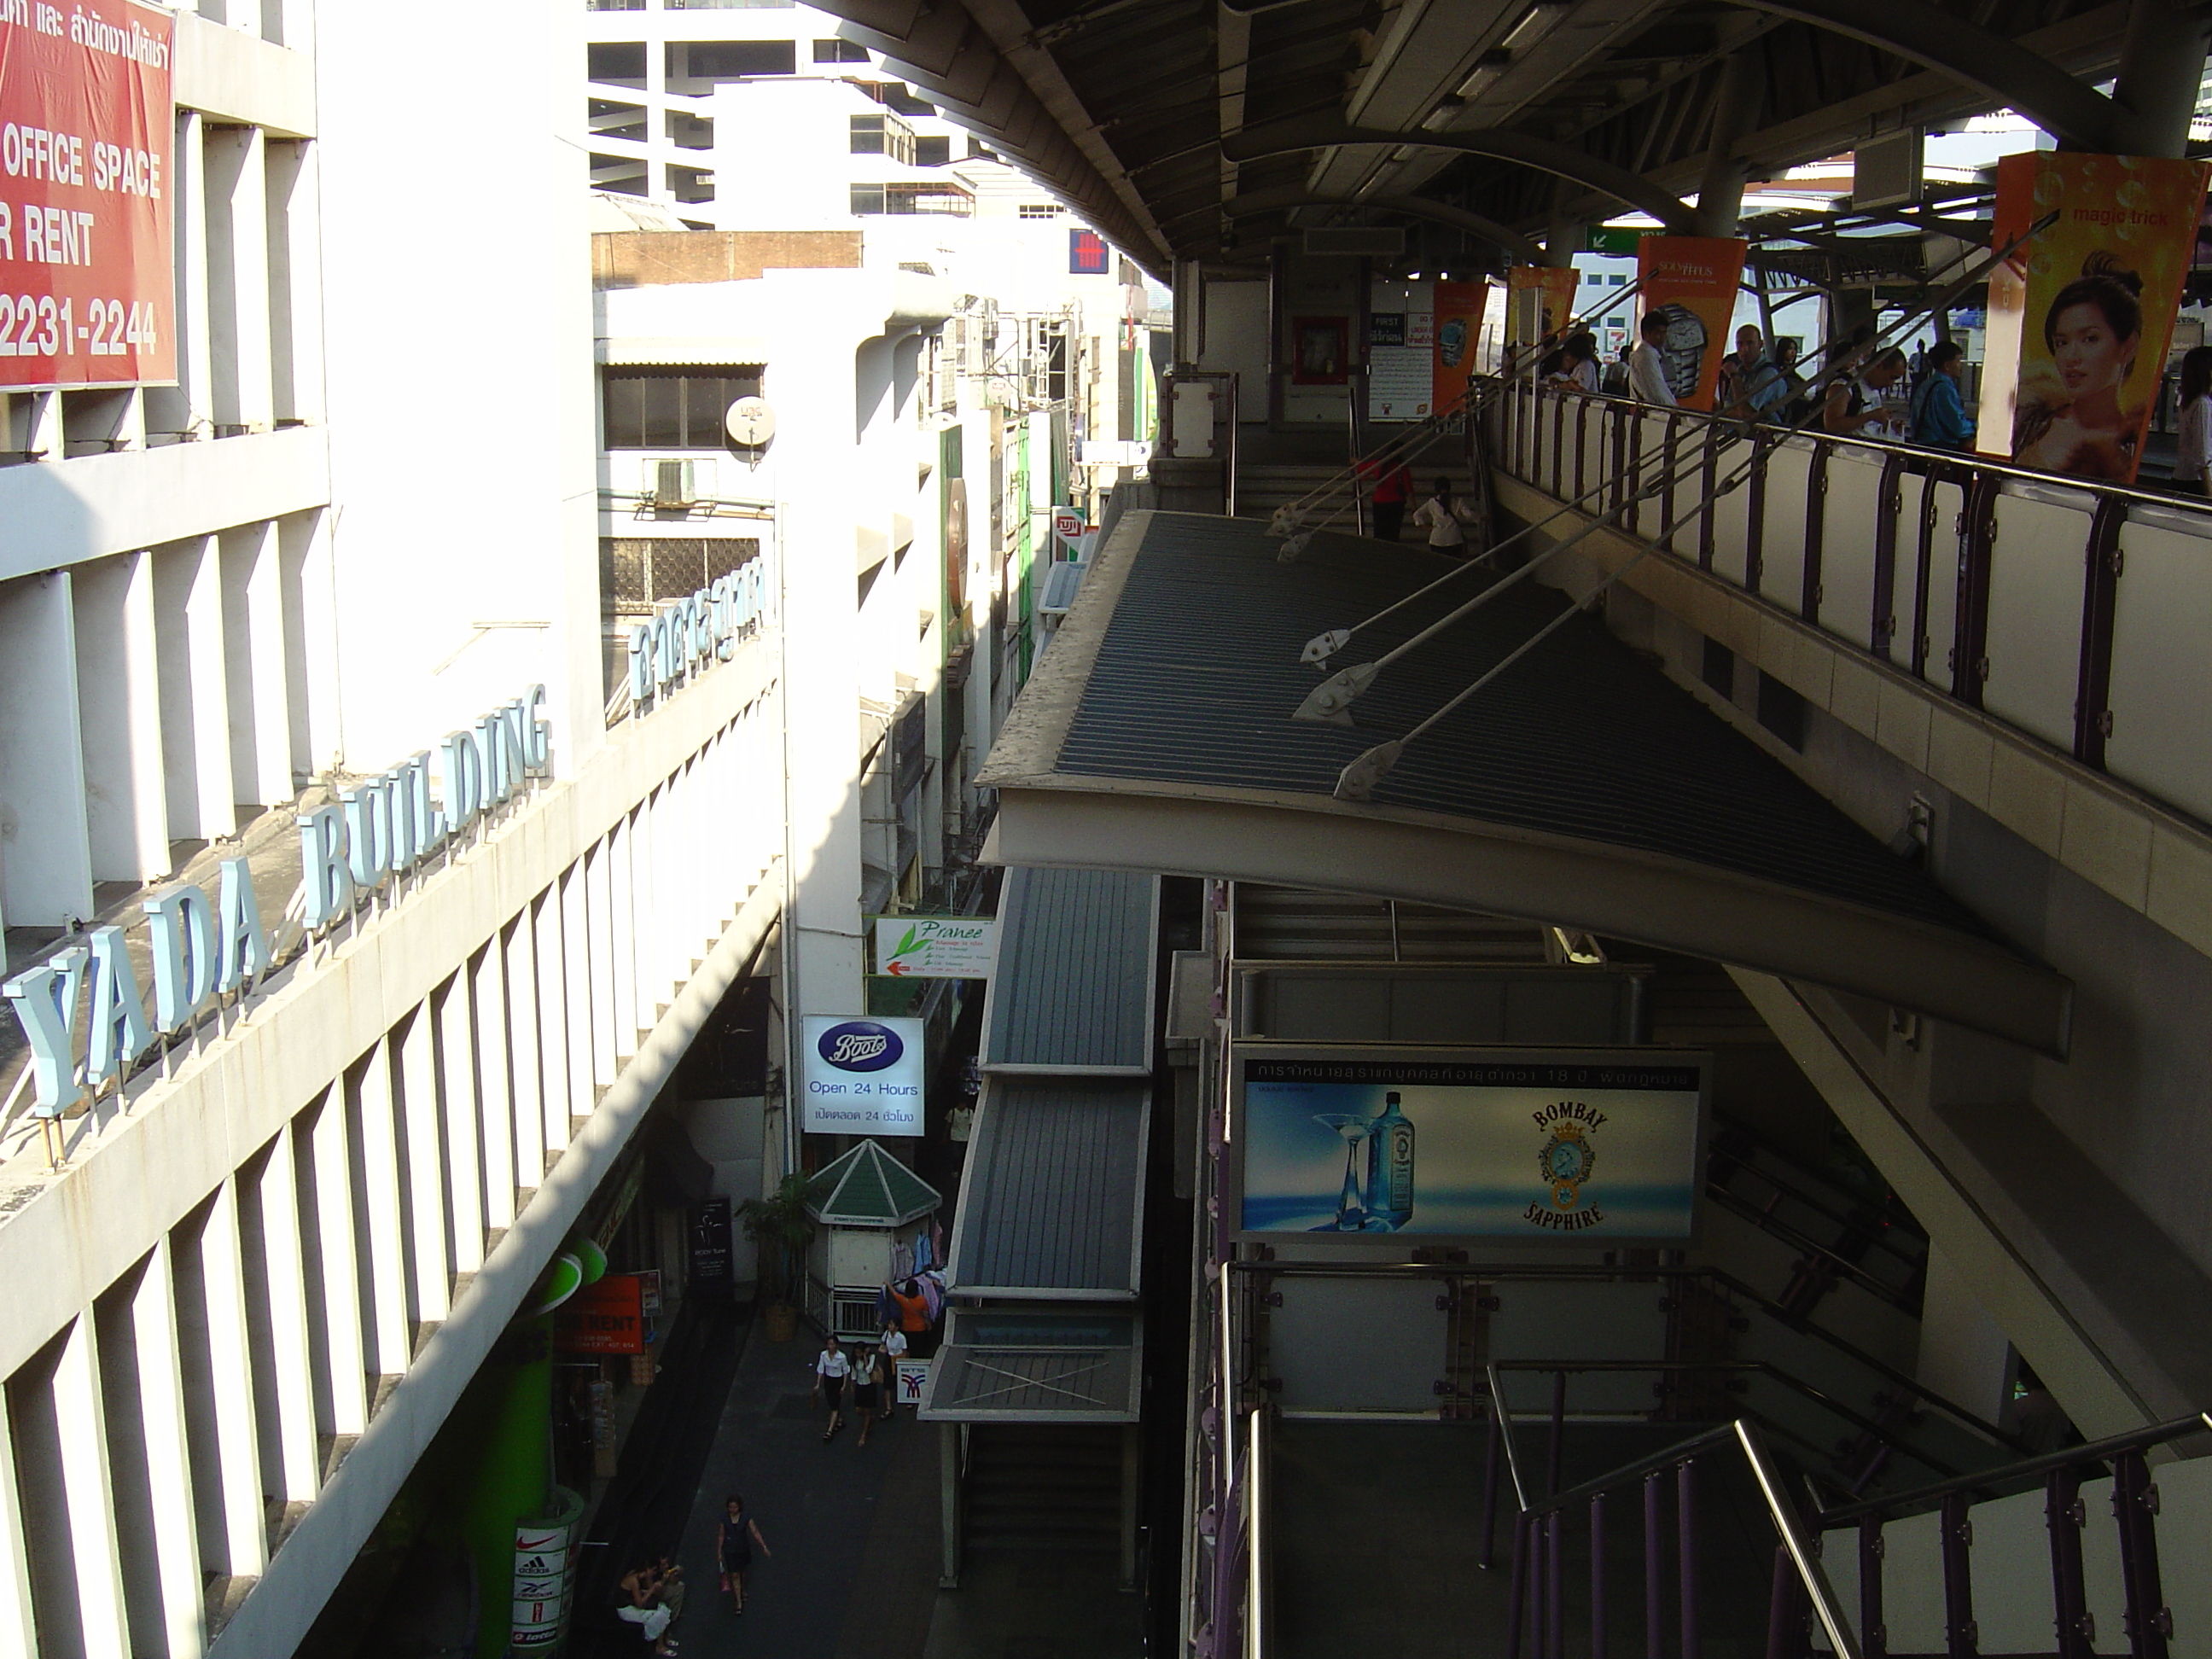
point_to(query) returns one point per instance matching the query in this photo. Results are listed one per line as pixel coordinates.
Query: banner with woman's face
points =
(2081, 315)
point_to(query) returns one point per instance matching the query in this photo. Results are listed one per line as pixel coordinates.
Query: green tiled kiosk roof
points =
(869, 1188)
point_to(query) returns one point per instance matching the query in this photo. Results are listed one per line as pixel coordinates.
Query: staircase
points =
(1046, 1487)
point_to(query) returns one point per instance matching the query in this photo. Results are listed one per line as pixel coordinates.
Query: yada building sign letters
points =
(87, 1000)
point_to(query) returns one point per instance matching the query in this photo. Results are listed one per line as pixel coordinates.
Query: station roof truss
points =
(1204, 130)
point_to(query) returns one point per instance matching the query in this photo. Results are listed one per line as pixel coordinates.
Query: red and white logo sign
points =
(86, 121)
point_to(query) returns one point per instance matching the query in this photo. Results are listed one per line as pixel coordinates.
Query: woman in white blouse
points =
(2192, 461)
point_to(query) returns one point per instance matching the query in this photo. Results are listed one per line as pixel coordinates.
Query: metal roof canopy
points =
(869, 1188)
(1072, 990)
(1582, 788)
(1056, 1365)
(1052, 1200)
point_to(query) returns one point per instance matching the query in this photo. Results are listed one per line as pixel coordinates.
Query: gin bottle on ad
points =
(1390, 1166)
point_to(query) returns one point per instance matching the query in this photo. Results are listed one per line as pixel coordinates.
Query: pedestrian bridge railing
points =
(2071, 611)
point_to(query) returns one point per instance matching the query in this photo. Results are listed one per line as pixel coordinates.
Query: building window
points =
(931, 152)
(1040, 209)
(912, 199)
(840, 52)
(731, 60)
(883, 135)
(622, 62)
(614, 5)
(637, 574)
(675, 408)
(612, 120)
(1618, 282)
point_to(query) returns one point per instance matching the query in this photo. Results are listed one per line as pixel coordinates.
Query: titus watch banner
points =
(1521, 1144)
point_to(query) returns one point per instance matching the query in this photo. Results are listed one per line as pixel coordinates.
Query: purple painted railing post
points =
(1597, 1577)
(1781, 1605)
(1516, 1594)
(1540, 1630)
(1490, 1488)
(1555, 1562)
(1960, 1633)
(1558, 1430)
(1655, 1583)
(2135, 1505)
(1686, 1543)
(1874, 1636)
(2061, 1513)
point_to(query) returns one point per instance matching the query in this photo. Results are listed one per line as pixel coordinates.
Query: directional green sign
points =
(1608, 239)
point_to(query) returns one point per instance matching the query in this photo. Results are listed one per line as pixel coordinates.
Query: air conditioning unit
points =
(679, 484)
(1382, 241)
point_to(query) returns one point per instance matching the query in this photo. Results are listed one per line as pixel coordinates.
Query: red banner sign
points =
(86, 296)
(605, 1316)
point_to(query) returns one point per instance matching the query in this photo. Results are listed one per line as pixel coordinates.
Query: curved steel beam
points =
(1413, 207)
(1288, 136)
(2020, 78)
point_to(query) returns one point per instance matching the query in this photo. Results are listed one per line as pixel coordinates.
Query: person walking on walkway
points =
(867, 1389)
(831, 1368)
(893, 1349)
(735, 1536)
(1939, 413)
(1445, 520)
(1647, 364)
(912, 1312)
(1392, 483)
(2192, 458)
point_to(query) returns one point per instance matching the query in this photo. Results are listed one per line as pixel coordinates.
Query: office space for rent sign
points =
(85, 116)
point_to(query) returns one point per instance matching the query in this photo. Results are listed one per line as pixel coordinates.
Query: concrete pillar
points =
(277, 1192)
(238, 279)
(1964, 1353)
(597, 887)
(18, 1630)
(254, 652)
(556, 1015)
(237, 1435)
(1736, 109)
(80, 1430)
(462, 1118)
(195, 688)
(160, 1402)
(528, 1051)
(188, 409)
(2161, 65)
(623, 918)
(427, 1175)
(119, 711)
(645, 949)
(45, 869)
(338, 1268)
(950, 1519)
(317, 728)
(390, 1345)
(486, 989)
(1189, 295)
(295, 287)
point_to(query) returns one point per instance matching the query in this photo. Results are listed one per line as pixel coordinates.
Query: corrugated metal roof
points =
(1069, 1385)
(1197, 673)
(1072, 989)
(1053, 1198)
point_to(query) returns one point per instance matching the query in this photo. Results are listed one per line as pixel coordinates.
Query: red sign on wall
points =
(86, 296)
(605, 1316)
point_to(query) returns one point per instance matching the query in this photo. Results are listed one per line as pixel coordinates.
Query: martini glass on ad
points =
(1352, 1128)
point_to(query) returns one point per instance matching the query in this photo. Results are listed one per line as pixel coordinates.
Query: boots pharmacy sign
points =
(862, 1076)
(1476, 1143)
(87, 293)
(935, 947)
(83, 1009)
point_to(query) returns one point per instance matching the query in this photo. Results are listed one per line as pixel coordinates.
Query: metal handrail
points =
(2094, 1451)
(1535, 1547)
(1538, 1271)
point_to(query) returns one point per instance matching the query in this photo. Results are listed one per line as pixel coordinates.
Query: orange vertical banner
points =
(1458, 308)
(2080, 316)
(1540, 301)
(1691, 282)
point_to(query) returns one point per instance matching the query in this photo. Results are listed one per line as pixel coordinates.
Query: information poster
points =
(935, 947)
(1400, 345)
(605, 1316)
(86, 288)
(2081, 316)
(1540, 302)
(1457, 311)
(1523, 1145)
(861, 1077)
(1691, 282)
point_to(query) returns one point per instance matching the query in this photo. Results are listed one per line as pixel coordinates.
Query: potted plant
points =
(780, 1228)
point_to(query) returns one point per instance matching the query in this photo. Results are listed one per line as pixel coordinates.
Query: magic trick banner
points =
(2081, 315)
(87, 293)
(1690, 282)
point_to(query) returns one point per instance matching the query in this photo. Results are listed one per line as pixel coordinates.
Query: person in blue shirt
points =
(1939, 413)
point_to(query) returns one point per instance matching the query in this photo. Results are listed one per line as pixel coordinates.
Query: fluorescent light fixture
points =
(1403, 153)
(1540, 20)
(1444, 113)
(1486, 76)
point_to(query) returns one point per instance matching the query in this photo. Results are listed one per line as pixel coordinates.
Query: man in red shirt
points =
(1392, 485)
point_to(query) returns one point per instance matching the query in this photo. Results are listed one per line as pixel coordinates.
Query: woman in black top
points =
(735, 1535)
(867, 1388)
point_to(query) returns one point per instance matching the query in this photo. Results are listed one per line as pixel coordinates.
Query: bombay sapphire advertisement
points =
(1526, 1145)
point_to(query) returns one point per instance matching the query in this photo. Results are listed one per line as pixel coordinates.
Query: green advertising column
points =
(512, 1480)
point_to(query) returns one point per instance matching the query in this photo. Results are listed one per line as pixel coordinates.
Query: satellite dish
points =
(750, 422)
